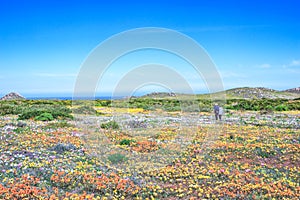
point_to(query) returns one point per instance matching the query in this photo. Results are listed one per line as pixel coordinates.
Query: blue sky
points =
(44, 43)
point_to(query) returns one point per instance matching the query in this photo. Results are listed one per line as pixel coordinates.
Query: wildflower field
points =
(45, 156)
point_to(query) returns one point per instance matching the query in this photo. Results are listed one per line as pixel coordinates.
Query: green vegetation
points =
(11, 107)
(126, 142)
(205, 105)
(263, 104)
(44, 110)
(166, 104)
(44, 117)
(117, 158)
(110, 125)
(57, 112)
(85, 109)
(104, 103)
(47, 110)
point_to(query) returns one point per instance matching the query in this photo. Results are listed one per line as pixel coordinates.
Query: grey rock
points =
(21, 124)
(61, 148)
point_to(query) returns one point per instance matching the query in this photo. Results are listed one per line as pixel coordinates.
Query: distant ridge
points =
(13, 96)
(160, 94)
(239, 93)
(293, 90)
(234, 93)
(259, 93)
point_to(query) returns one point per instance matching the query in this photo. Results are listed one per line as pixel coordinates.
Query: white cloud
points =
(54, 75)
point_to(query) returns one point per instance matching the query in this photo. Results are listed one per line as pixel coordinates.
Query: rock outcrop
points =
(259, 93)
(13, 96)
(294, 90)
(160, 94)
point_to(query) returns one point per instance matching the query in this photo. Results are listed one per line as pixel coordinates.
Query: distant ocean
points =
(71, 98)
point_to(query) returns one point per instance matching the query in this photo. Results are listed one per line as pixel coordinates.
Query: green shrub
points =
(104, 103)
(170, 108)
(126, 142)
(117, 158)
(11, 108)
(110, 125)
(57, 112)
(146, 107)
(85, 110)
(281, 108)
(44, 117)
(263, 153)
(269, 108)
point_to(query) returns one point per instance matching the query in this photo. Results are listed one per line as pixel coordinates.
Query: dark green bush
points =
(57, 111)
(269, 108)
(281, 107)
(110, 125)
(126, 142)
(44, 117)
(104, 103)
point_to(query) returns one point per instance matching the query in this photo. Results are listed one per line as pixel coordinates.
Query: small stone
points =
(21, 124)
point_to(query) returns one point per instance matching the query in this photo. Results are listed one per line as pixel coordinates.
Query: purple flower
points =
(19, 165)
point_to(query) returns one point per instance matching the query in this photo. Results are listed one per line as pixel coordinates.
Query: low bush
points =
(57, 112)
(87, 110)
(110, 125)
(11, 107)
(281, 107)
(137, 124)
(44, 117)
(104, 103)
(117, 158)
(126, 142)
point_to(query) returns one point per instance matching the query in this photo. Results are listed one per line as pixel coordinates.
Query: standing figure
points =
(216, 111)
(221, 112)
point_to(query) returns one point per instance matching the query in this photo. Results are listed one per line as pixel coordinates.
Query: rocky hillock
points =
(13, 96)
(294, 90)
(259, 93)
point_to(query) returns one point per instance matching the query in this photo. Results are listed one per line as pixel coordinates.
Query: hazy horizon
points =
(109, 95)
